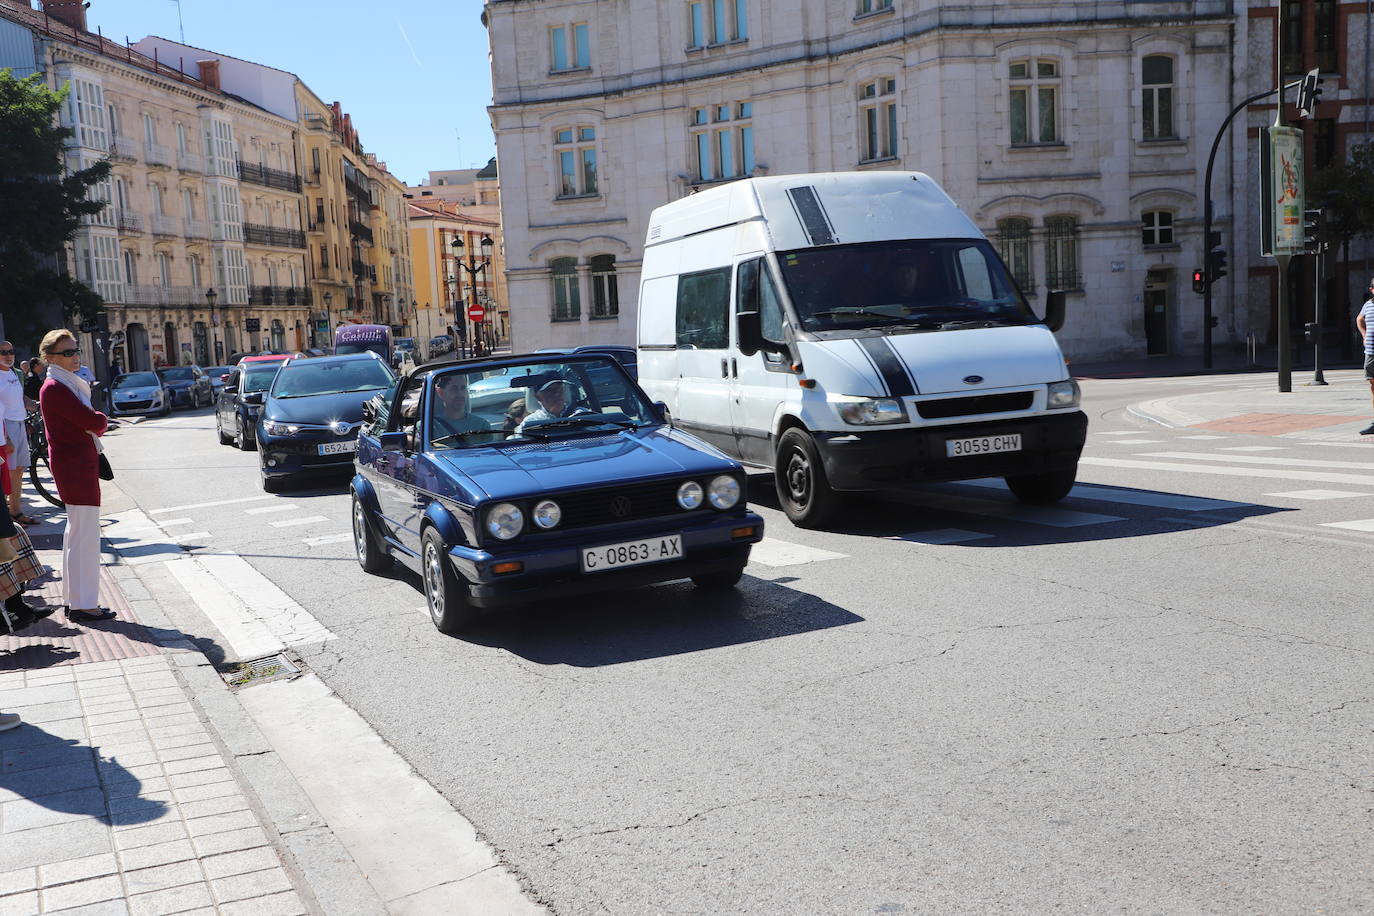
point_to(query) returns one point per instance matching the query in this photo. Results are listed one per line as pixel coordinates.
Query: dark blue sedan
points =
(503, 481)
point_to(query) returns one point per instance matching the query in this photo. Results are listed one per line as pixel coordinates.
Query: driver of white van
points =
(554, 397)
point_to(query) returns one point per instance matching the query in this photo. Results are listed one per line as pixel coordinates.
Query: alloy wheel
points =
(359, 531)
(434, 583)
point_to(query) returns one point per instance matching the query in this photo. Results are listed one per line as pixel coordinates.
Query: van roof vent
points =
(812, 215)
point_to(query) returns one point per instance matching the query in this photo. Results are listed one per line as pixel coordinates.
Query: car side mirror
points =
(253, 397)
(749, 330)
(395, 442)
(1054, 310)
(230, 389)
(661, 411)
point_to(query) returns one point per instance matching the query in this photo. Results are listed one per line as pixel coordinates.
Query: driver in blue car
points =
(554, 397)
(451, 412)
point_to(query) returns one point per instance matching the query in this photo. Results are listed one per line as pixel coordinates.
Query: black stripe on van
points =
(812, 215)
(889, 366)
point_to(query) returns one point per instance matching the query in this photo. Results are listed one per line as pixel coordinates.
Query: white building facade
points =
(1074, 134)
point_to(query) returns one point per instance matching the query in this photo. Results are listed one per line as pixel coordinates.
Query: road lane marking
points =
(293, 522)
(328, 539)
(1150, 498)
(1364, 524)
(263, 510)
(941, 536)
(247, 635)
(1315, 494)
(1203, 437)
(1276, 474)
(1117, 432)
(771, 552)
(1252, 448)
(1255, 459)
(1136, 441)
(218, 502)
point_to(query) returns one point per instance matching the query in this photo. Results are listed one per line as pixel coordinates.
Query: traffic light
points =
(1199, 281)
(1312, 227)
(1216, 264)
(1309, 94)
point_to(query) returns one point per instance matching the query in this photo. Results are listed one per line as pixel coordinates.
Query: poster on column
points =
(1282, 190)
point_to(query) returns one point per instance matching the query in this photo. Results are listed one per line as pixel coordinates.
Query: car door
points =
(395, 482)
(703, 356)
(225, 404)
(759, 383)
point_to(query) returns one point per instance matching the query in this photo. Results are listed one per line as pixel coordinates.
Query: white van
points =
(853, 331)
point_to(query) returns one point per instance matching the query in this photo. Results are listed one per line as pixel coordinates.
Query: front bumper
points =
(556, 571)
(879, 459)
(181, 397)
(283, 456)
(132, 408)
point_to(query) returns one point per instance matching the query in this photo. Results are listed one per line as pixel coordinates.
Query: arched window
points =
(605, 290)
(567, 303)
(1157, 227)
(1061, 253)
(1013, 243)
(1157, 98)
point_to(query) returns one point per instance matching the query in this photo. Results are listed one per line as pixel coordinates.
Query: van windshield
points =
(908, 284)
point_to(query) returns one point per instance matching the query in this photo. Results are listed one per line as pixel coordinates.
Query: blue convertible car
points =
(527, 478)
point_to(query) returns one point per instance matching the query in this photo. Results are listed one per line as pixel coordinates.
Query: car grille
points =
(133, 405)
(619, 504)
(966, 407)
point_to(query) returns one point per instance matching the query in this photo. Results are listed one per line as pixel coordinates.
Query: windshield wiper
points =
(586, 419)
(854, 311)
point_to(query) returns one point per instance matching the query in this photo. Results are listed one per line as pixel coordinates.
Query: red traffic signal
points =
(1199, 281)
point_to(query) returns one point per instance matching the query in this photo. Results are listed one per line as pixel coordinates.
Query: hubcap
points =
(799, 478)
(359, 529)
(434, 582)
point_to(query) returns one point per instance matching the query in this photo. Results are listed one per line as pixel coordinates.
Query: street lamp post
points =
(328, 318)
(473, 269)
(211, 297)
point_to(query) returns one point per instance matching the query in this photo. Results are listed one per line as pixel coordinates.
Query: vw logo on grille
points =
(339, 427)
(972, 379)
(620, 506)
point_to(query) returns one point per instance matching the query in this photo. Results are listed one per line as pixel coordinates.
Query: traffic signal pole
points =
(1207, 319)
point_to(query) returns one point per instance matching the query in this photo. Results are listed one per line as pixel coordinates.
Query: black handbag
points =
(106, 472)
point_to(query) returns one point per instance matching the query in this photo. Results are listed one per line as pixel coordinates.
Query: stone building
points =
(457, 262)
(1075, 135)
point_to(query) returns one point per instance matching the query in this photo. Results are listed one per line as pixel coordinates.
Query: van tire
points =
(1048, 487)
(799, 475)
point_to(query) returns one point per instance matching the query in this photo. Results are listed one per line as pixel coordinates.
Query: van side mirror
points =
(1054, 310)
(749, 329)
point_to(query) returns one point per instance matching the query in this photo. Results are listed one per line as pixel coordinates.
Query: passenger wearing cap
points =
(451, 415)
(553, 396)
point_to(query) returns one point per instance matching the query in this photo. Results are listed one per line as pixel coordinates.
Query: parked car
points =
(190, 386)
(403, 351)
(440, 345)
(310, 418)
(600, 494)
(218, 375)
(240, 400)
(139, 393)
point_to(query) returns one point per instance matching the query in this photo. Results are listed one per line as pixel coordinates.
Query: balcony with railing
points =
(166, 225)
(153, 294)
(197, 229)
(269, 177)
(360, 231)
(191, 162)
(157, 154)
(257, 234)
(288, 296)
(129, 221)
(226, 232)
(123, 148)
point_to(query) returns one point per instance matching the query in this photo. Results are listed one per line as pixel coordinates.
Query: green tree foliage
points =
(1345, 189)
(41, 205)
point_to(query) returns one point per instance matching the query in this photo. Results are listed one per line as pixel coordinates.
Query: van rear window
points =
(703, 310)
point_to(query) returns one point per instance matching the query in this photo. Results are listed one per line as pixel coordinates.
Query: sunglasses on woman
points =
(68, 353)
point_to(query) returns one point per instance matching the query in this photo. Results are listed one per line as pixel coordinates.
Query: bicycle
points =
(40, 474)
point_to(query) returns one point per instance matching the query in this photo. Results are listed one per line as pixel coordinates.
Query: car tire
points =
(219, 430)
(1039, 489)
(728, 578)
(371, 556)
(166, 409)
(446, 595)
(803, 490)
(241, 440)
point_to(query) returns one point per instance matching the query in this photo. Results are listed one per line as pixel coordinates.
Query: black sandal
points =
(100, 613)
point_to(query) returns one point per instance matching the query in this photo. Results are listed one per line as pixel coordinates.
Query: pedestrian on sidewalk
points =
(33, 379)
(1365, 323)
(19, 565)
(74, 428)
(12, 412)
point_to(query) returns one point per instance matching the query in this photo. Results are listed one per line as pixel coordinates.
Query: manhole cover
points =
(272, 668)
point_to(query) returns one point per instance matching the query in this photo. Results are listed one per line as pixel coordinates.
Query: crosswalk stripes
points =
(265, 510)
(294, 522)
(1364, 524)
(1259, 459)
(328, 539)
(1136, 441)
(1316, 494)
(1271, 474)
(1202, 437)
(772, 552)
(1150, 498)
(1251, 448)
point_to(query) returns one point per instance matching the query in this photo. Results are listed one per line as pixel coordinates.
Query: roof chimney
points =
(209, 73)
(72, 12)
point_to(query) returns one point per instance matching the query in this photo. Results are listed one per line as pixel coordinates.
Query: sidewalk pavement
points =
(140, 783)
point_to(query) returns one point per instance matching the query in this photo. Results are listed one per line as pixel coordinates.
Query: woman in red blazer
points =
(74, 428)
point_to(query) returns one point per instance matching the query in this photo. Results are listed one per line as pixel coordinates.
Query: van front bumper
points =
(880, 459)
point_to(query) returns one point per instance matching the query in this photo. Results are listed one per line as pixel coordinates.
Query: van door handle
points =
(734, 368)
(724, 368)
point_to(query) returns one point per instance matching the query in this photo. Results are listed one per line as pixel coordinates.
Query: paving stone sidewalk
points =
(114, 796)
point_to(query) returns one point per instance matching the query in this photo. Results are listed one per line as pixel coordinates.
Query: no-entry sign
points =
(476, 312)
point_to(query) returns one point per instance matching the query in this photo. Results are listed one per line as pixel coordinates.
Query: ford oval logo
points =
(972, 379)
(620, 506)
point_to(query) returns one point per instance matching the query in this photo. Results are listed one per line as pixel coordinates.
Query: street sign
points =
(1281, 184)
(476, 312)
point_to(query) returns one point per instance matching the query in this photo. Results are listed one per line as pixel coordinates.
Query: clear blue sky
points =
(413, 73)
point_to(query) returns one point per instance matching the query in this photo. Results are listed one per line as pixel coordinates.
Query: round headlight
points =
(724, 491)
(689, 495)
(504, 521)
(547, 514)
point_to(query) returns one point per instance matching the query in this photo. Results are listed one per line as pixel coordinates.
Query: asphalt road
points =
(1155, 697)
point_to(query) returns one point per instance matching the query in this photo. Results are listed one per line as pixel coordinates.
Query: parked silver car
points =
(140, 393)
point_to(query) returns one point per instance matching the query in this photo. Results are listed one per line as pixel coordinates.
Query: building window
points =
(874, 6)
(164, 269)
(324, 257)
(181, 139)
(1324, 36)
(570, 47)
(1157, 227)
(149, 131)
(723, 138)
(1157, 98)
(605, 291)
(130, 272)
(1293, 22)
(575, 149)
(89, 116)
(878, 119)
(1323, 142)
(567, 303)
(1014, 245)
(716, 22)
(194, 262)
(1061, 253)
(1034, 101)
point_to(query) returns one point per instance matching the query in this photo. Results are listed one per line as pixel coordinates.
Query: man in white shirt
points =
(1365, 323)
(12, 413)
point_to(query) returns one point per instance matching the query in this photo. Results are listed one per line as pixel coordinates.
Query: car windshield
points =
(319, 377)
(532, 402)
(259, 378)
(136, 380)
(910, 284)
(180, 374)
(216, 371)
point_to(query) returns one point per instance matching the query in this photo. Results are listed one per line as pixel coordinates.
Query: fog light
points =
(503, 568)
(271, 462)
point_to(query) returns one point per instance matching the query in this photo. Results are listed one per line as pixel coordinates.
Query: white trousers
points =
(81, 558)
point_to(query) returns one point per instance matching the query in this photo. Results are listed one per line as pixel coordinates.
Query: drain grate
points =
(259, 671)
